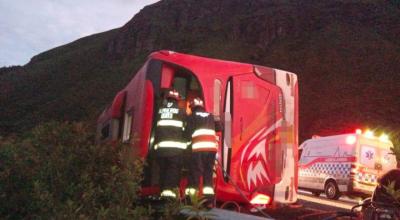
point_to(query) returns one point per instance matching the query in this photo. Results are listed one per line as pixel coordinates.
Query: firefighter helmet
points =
(196, 102)
(173, 94)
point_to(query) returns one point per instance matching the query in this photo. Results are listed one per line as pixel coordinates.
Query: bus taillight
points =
(260, 199)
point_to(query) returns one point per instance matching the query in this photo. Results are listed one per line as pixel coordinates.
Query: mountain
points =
(346, 54)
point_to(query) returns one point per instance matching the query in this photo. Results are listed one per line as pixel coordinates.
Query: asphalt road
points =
(310, 207)
(322, 203)
(320, 207)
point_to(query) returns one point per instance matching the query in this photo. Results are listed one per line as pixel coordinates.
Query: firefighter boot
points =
(208, 194)
(168, 195)
(189, 194)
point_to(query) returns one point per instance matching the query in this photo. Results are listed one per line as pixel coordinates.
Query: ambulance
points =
(256, 106)
(347, 164)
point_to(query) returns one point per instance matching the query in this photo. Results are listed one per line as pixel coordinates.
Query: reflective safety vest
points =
(202, 128)
(170, 127)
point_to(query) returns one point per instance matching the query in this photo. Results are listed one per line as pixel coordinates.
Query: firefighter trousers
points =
(170, 171)
(201, 165)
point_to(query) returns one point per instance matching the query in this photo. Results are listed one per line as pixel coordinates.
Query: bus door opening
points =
(164, 78)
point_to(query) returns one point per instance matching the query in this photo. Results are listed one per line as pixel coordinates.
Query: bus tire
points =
(332, 190)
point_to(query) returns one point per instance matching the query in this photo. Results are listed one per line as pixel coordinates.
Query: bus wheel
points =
(332, 190)
(316, 193)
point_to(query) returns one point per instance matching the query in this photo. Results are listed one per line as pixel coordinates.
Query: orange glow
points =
(261, 199)
(351, 140)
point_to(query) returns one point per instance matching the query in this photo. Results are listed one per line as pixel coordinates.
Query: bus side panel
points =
(135, 103)
(148, 119)
(285, 190)
(255, 143)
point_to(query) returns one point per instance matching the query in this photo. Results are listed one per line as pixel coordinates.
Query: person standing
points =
(201, 130)
(170, 143)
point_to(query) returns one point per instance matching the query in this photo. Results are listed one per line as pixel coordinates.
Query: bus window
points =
(105, 131)
(179, 85)
(188, 87)
(227, 136)
(127, 126)
(217, 99)
(194, 84)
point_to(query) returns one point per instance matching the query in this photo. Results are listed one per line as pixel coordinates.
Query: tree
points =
(396, 147)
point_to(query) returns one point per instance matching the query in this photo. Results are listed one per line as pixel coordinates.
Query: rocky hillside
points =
(346, 54)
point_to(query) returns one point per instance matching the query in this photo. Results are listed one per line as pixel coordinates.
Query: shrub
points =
(57, 171)
(396, 147)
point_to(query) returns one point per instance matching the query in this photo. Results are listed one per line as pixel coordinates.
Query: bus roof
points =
(202, 66)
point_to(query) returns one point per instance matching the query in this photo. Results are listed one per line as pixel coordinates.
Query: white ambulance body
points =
(344, 164)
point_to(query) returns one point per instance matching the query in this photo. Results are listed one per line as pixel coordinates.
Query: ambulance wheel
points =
(332, 190)
(316, 194)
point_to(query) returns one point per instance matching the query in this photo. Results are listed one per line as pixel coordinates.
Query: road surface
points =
(309, 207)
(322, 203)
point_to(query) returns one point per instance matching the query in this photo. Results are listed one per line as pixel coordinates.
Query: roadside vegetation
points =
(396, 147)
(56, 171)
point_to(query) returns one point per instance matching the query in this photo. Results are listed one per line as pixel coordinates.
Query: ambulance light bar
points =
(384, 138)
(260, 199)
(370, 134)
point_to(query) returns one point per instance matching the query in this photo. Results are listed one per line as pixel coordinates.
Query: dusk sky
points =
(29, 27)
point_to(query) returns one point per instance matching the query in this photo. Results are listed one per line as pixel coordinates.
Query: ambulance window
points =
(127, 126)
(217, 98)
(388, 160)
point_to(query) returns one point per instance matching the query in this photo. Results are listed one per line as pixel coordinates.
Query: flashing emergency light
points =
(260, 199)
(351, 140)
(369, 134)
(384, 138)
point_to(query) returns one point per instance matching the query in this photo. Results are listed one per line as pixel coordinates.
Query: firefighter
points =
(170, 143)
(201, 130)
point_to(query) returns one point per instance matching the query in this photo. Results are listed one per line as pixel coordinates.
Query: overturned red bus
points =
(256, 106)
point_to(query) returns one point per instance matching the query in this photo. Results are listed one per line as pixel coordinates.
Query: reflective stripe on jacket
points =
(202, 131)
(169, 127)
